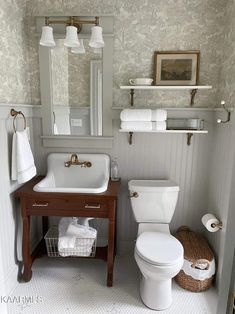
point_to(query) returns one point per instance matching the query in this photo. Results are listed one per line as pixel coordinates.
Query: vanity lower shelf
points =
(189, 133)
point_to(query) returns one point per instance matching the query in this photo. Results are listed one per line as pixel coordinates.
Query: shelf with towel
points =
(188, 132)
(192, 88)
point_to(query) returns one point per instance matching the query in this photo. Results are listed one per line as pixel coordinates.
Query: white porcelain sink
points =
(75, 178)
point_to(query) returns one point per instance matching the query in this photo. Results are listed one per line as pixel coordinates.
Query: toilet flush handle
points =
(134, 194)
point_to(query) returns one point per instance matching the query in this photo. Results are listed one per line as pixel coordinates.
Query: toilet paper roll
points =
(208, 220)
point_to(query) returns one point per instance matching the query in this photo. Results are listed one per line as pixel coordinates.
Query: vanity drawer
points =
(65, 204)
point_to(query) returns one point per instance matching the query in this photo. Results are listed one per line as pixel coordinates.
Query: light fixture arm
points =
(228, 114)
(71, 21)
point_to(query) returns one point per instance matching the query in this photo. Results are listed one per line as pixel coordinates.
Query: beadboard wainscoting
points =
(10, 219)
(160, 156)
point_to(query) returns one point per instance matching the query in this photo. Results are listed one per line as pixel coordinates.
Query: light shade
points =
(96, 40)
(79, 49)
(47, 38)
(71, 39)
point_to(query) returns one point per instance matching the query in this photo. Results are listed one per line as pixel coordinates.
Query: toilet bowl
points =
(159, 257)
(158, 254)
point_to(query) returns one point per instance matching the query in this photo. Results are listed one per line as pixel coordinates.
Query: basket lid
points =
(195, 245)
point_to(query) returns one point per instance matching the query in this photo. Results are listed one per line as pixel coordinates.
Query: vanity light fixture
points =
(73, 27)
(228, 114)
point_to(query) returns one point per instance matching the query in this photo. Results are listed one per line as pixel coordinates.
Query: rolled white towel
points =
(159, 115)
(159, 126)
(77, 251)
(75, 239)
(66, 242)
(136, 115)
(136, 126)
(81, 231)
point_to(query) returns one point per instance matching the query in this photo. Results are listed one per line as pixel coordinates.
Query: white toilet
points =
(158, 254)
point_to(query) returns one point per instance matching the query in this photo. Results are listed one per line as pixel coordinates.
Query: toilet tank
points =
(154, 201)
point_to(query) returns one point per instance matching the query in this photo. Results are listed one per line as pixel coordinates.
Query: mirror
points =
(76, 90)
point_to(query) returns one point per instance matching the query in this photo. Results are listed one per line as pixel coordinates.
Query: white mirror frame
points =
(51, 140)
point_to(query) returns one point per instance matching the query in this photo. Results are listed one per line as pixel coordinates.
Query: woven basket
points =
(197, 252)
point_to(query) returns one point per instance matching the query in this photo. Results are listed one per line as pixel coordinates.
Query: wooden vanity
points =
(102, 205)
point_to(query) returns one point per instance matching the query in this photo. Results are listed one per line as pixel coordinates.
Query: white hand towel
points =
(159, 115)
(23, 167)
(135, 115)
(136, 126)
(159, 126)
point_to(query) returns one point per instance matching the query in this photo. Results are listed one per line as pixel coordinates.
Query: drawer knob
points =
(92, 205)
(40, 204)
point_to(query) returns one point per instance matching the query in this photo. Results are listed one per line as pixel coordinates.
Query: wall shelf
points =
(192, 88)
(189, 133)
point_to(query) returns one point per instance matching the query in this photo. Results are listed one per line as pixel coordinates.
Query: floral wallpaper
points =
(60, 75)
(140, 28)
(71, 75)
(227, 79)
(79, 76)
(14, 66)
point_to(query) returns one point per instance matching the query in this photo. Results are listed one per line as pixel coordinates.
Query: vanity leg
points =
(27, 260)
(111, 246)
(44, 225)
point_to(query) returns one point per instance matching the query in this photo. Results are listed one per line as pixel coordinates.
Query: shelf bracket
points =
(132, 93)
(130, 138)
(193, 94)
(189, 137)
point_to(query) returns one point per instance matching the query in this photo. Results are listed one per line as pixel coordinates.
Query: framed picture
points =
(176, 67)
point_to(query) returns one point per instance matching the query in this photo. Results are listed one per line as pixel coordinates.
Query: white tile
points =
(78, 286)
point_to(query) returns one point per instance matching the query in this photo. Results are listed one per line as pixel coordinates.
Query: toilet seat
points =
(158, 248)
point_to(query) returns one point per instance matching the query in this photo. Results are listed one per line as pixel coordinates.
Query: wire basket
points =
(85, 247)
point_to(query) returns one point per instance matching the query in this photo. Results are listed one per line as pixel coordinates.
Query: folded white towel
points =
(159, 126)
(136, 126)
(66, 242)
(159, 115)
(81, 231)
(23, 167)
(81, 251)
(135, 115)
(75, 239)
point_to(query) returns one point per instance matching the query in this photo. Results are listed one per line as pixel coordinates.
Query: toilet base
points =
(156, 294)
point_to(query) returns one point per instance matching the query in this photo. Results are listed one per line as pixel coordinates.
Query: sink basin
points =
(75, 178)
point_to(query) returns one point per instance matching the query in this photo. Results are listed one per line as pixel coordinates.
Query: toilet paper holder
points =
(218, 225)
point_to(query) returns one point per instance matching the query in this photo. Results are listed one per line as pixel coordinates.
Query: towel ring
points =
(14, 114)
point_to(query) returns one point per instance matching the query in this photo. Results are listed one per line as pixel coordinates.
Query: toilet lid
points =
(159, 248)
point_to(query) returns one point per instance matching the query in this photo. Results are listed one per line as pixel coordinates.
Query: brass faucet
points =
(75, 161)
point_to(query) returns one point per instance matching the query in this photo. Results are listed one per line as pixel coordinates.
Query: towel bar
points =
(14, 114)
